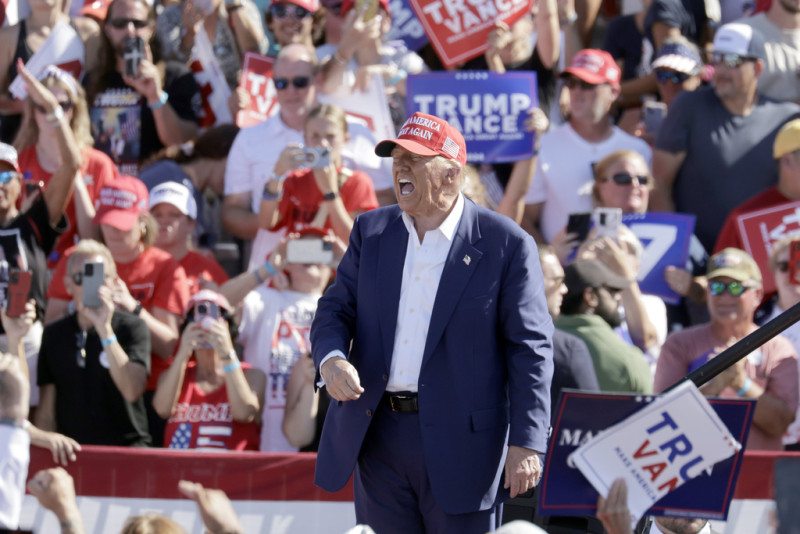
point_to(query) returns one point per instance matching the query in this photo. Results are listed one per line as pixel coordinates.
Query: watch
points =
(138, 309)
(330, 196)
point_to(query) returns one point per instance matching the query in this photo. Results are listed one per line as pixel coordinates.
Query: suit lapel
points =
(392, 246)
(461, 263)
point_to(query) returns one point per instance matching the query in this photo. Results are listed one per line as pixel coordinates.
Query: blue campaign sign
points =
(406, 26)
(489, 110)
(665, 237)
(580, 416)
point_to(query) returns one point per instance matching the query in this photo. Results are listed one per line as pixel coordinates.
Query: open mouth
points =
(406, 187)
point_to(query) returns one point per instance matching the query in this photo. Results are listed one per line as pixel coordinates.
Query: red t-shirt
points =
(730, 236)
(204, 420)
(197, 265)
(96, 170)
(154, 278)
(302, 198)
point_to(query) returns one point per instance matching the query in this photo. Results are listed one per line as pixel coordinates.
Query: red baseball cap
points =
(347, 5)
(594, 66)
(208, 295)
(310, 5)
(426, 135)
(8, 154)
(120, 203)
(95, 8)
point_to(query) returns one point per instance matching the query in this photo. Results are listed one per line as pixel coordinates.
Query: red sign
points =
(458, 30)
(256, 79)
(761, 229)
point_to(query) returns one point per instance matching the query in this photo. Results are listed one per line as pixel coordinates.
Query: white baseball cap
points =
(176, 194)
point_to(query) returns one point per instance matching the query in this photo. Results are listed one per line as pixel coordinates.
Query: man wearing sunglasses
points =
(768, 374)
(713, 150)
(677, 68)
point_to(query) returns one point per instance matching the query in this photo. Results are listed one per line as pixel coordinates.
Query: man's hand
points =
(215, 507)
(55, 491)
(613, 510)
(522, 469)
(341, 379)
(62, 448)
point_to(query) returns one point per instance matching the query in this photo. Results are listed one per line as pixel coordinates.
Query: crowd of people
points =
(213, 245)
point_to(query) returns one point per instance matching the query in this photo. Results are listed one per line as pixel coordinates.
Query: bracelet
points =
(232, 366)
(162, 99)
(570, 20)
(109, 340)
(401, 75)
(266, 195)
(258, 278)
(745, 388)
(339, 59)
(270, 269)
(138, 309)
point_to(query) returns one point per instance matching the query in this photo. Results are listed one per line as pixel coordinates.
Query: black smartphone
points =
(579, 223)
(133, 54)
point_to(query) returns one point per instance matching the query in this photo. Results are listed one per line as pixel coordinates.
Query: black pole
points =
(741, 348)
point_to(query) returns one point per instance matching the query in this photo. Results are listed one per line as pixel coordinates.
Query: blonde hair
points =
(80, 124)
(600, 169)
(151, 524)
(88, 248)
(329, 112)
(149, 230)
(778, 247)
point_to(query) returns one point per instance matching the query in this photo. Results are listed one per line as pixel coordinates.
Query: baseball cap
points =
(787, 140)
(733, 263)
(740, 39)
(208, 295)
(594, 66)
(310, 5)
(347, 5)
(8, 154)
(95, 8)
(120, 203)
(583, 273)
(176, 194)
(678, 57)
(426, 135)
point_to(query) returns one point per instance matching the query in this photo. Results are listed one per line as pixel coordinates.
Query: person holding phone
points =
(207, 371)
(138, 111)
(94, 363)
(326, 195)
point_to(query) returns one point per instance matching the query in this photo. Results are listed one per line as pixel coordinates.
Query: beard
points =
(609, 314)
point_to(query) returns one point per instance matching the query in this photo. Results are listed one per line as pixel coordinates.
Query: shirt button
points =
(369, 413)
(416, 278)
(411, 310)
(405, 342)
(385, 378)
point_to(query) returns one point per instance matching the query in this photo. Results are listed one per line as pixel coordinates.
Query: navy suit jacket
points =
(485, 377)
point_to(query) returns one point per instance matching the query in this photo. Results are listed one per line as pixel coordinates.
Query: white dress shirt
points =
(422, 271)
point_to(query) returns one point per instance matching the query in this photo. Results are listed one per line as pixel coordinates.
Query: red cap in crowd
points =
(310, 5)
(207, 295)
(595, 67)
(426, 135)
(120, 203)
(8, 154)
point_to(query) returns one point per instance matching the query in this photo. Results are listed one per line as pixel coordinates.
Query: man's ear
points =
(590, 297)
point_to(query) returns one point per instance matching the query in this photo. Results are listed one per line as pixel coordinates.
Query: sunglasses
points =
(782, 266)
(66, 105)
(577, 83)
(300, 82)
(729, 60)
(282, 11)
(336, 10)
(664, 76)
(625, 178)
(122, 22)
(77, 278)
(7, 176)
(734, 288)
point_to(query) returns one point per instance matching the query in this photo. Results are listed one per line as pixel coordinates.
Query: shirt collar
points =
(449, 224)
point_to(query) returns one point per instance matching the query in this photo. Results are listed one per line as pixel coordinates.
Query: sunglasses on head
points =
(664, 76)
(625, 178)
(299, 82)
(122, 22)
(66, 105)
(7, 176)
(576, 83)
(734, 288)
(727, 59)
(281, 11)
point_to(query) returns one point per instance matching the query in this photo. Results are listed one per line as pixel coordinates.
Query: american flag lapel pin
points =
(466, 259)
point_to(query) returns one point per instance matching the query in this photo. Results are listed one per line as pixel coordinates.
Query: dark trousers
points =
(392, 491)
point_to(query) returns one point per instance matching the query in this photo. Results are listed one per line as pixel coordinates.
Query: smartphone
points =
(653, 114)
(93, 278)
(579, 223)
(607, 221)
(368, 7)
(205, 309)
(133, 54)
(19, 287)
(309, 251)
(787, 484)
(317, 157)
(794, 262)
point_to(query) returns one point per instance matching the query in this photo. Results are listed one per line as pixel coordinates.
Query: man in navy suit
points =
(435, 340)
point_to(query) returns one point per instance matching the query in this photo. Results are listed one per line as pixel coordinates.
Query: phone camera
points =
(202, 309)
(88, 269)
(14, 278)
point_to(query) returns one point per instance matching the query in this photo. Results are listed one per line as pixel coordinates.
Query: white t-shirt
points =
(15, 445)
(274, 332)
(792, 434)
(563, 178)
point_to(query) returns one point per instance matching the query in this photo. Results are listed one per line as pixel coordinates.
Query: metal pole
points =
(741, 348)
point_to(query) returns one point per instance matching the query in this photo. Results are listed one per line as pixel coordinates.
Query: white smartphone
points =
(309, 251)
(606, 221)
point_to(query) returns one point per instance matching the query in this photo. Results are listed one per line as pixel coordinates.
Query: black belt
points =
(404, 402)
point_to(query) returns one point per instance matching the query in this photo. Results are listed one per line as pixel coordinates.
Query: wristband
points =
(138, 309)
(745, 388)
(266, 195)
(162, 99)
(270, 269)
(109, 340)
(232, 366)
(401, 75)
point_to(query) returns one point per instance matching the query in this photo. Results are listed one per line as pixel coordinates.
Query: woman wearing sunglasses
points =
(40, 156)
(295, 21)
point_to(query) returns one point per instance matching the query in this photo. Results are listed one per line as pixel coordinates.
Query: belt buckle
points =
(398, 398)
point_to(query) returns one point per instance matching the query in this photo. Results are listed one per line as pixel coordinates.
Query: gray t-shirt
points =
(728, 157)
(780, 79)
